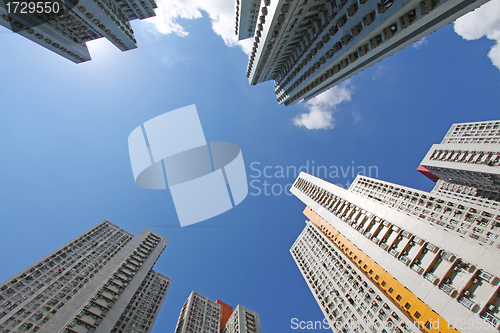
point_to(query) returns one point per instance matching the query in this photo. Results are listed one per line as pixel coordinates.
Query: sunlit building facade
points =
(202, 315)
(199, 314)
(308, 46)
(242, 320)
(350, 300)
(466, 164)
(64, 29)
(382, 255)
(247, 13)
(102, 281)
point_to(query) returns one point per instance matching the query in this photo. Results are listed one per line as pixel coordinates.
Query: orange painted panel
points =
(225, 313)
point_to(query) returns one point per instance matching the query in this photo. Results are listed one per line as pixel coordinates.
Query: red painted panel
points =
(427, 173)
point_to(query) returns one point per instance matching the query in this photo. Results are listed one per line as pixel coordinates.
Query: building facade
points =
(101, 281)
(199, 314)
(202, 315)
(466, 164)
(430, 260)
(64, 29)
(460, 218)
(247, 13)
(308, 46)
(242, 320)
(140, 313)
(349, 299)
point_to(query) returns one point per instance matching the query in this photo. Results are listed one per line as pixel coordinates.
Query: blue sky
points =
(65, 167)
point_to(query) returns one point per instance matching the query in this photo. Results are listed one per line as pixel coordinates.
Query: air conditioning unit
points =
(467, 292)
(491, 307)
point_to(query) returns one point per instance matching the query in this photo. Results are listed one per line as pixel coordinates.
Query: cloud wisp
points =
(379, 72)
(222, 17)
(484, 21)
(420, 43)
(220, 12)
(322, 107)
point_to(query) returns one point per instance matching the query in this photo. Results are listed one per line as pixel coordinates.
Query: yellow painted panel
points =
(400, 295)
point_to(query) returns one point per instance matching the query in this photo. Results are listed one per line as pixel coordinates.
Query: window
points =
(417, 315)
(407, 305)
(399, 298)
(391, 290)
(383, 283)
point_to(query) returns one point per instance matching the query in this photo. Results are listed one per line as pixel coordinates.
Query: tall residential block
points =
(64, 26)
(242, 320)
(202, 315)
(102, 281)
(466, 164)
(348, 298)
(199, 314)
(308, 46)
(381, 255)
(247, 13)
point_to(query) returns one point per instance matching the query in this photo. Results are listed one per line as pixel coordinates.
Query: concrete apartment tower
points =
(247, 12)
(64, 29)
(308, 46)
(382, 256)
(242, 320)
(202, 315)
(466, 164)
(102, 281)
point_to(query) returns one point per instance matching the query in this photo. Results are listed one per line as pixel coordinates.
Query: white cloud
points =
(221, 13)
(421, 43)
(379, 72)
(322, 107)
(169, 11)
(484, 21)
(357, 116)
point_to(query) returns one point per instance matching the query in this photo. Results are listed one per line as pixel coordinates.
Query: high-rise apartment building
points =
(350, 300)
(380, 256)
(463, 218)
(247, 12)
(200, 314)
(242, 320)
(308, 46)
(102, 281)
(466, 164)
(64, 27)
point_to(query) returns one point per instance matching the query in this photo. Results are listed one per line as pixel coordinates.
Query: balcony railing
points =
(431, 278)
(448, 289)
(467, 303)
(494, 321)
